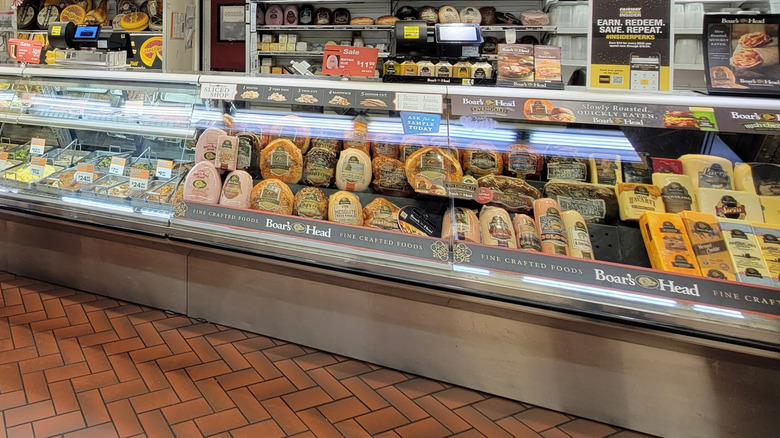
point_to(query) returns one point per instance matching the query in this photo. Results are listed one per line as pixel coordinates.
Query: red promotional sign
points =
(349, 61)
(25, 50)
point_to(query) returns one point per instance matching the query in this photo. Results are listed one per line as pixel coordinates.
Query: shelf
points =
(689, 67)
(307, 54)
(326, 28)
(572, 31)
(689, 31)
(503, 27)
(107, 126)
(574, 62)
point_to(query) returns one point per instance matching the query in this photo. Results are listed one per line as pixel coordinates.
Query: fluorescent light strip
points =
(470, 270)
(600, 291)
(155, 213)
(718, 311)
(97, 204)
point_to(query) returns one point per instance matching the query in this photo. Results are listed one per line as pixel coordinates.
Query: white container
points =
(580, 16)
(694, 15)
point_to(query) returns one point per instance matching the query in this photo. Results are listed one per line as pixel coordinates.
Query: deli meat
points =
(595, 203)
(274, 15)
(534, 18)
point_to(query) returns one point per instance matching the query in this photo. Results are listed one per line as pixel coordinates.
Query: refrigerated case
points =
(101, 207)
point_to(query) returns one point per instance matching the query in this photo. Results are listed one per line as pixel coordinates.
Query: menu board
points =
(630, 45)
(741, 53)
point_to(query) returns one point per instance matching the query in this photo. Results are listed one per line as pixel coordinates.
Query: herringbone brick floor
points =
(75, 364)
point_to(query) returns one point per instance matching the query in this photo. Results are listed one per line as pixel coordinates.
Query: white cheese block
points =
(353, 170)
(637, 199)
(730, 204)
(745, 253)
(768, 237)
(677, 192)
(763, 179)
(708, 171)
(605, 170)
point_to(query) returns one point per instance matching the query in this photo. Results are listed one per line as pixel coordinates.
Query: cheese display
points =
(526, 233)
(708, 245)
(549, 226)
(496, 227)
(730, 204)
(310, 202)
(381, 213)
(465, 227)
(768, 237)
(523, 161)
(344, 207)
(427, 168)
(667, 243)
(203, 184)
(514, 194)
(281, 160)
(578, 235)
(482, 158)
(353, 170)
(638, 199)
(759, 178)
(272, 195)
(595, 203)
(707, 171)
(677, 192)
(605, 170)
(236, 189)
(770, 205)
(745, 252)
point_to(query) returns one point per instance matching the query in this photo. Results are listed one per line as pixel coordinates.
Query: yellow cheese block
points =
(74, 13)
(745, 253)
(637, 199)
(667, 244)
(578, 235)
(771, 208)
(708, 171)
(768, 237)
(763, 179)
(708, 245)
(605, 170)
(677, 192)
(730, 204)
(134, 21)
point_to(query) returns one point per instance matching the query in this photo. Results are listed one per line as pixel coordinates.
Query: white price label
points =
(218, 91)
(37, 166)
(85, 177)
(117, 166)
(3, 160)
(139, 179)
(164, 169)
(419, 102)
(37, 146)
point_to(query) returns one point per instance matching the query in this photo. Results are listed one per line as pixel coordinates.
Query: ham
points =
(206, 148)
(236, 190)
(274, 15)
(202, 183)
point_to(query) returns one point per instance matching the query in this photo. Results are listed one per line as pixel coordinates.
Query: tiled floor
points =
(75, 364)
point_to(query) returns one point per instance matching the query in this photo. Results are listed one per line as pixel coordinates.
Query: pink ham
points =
(236, 190)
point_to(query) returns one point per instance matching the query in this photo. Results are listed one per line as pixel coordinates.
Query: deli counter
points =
(573, 245)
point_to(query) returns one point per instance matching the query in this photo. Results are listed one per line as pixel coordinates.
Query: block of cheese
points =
(708, 245)
(745, 252)
(496, 226)
(637, 199)
(760, 178)
(605, 169)
(667, 244)
(549, 226)
(770, 205)
(677, 192)
(578, 235)
(465, 225)
(768, 237)
(708, 171)
(730, 204)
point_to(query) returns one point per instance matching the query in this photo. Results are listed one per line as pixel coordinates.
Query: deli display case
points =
(613, 246)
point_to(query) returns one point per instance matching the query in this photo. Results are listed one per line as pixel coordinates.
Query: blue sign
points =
(420, 123)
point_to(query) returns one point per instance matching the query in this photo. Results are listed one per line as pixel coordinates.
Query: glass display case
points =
(467, 189)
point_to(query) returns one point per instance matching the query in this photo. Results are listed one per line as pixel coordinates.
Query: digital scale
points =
(451, 40)
(89, 45)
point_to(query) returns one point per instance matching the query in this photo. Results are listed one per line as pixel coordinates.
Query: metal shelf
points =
(307, 54)
(503, 27)
(688, 67)
(327, 28)
(572, 31)
(689, 31)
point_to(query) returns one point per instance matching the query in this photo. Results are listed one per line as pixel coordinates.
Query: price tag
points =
(37, 166)
(37, 146)
(85, 173)
(117, 166)
(419, 102)
(349, 61)
(3, 160)
(218, 91)
(164, 169)
(139, 179)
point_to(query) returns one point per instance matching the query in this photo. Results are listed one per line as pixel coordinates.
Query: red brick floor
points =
(76, 364)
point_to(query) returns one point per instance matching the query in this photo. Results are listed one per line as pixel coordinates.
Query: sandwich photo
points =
(680, 119)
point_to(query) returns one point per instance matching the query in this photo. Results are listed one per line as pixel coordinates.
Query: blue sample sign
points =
(420, 123)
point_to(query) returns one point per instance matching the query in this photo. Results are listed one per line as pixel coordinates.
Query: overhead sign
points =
(631, 45)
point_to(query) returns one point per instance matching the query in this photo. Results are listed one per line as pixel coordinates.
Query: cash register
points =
(87, 44)
(448, 40)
